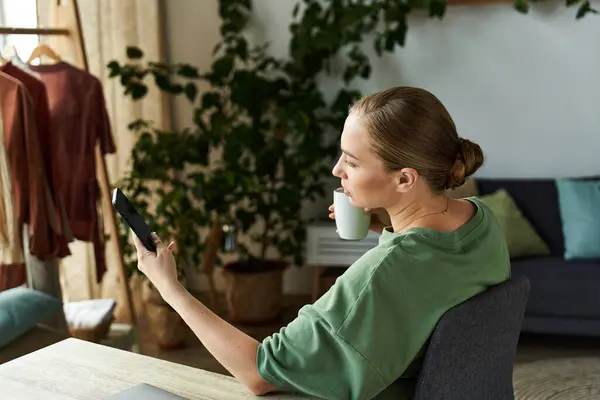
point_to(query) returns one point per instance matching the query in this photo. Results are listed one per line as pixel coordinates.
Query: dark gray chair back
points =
(471, 353)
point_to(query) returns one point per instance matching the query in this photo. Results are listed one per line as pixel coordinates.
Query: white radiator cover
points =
(325, 248)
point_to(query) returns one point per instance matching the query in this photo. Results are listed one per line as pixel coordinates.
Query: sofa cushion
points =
(561, 288)
(521, 238)
(21, 309)
(538, 201)
(579, 203)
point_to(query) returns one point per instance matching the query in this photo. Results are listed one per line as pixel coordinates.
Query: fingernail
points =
(154, 235)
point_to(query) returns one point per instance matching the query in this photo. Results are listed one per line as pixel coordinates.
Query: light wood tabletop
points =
(76, 369)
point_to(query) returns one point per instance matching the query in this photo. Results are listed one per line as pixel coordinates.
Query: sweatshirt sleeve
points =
(315, 355)
(309, 357)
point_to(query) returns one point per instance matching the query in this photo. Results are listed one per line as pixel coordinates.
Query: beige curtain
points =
(109, 26)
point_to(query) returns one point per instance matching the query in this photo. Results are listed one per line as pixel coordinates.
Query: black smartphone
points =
(133, 219)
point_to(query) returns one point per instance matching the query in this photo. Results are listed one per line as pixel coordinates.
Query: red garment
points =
(12, 276)
(37, 91)
(79, 121)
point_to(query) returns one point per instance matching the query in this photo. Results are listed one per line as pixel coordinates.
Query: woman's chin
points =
(353, 202)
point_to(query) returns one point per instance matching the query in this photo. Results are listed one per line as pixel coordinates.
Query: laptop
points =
(145, 391)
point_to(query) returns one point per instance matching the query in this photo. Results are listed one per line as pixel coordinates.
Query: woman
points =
(400, 153)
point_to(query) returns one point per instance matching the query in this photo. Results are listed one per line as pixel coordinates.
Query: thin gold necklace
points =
(426, 215)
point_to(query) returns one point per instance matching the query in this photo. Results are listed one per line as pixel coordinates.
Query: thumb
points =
(157, 242)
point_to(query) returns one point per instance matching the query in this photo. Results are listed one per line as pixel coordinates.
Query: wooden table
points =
(76, 369)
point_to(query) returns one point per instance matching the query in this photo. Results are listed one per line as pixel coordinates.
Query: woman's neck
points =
(416, 212)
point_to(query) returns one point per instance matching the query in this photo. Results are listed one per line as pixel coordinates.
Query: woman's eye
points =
(351, 165)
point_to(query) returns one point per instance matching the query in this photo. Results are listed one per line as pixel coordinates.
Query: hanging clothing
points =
(41, 110)
(29, 202)
(80, 121)
(42, 275)
(5, 194)
(11, 275)
(29, 188)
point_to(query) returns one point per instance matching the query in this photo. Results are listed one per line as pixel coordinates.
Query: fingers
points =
(332, 214)
(172, 247)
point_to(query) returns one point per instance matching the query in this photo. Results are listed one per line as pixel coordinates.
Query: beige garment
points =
(11, 249)
(109, 26)
(5, 198)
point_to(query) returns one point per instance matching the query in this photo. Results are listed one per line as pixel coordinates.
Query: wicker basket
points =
(95, 334)
(254, 297)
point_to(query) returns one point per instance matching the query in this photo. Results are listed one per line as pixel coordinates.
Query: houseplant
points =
(159, 188)
(264, 124)
(264, 131)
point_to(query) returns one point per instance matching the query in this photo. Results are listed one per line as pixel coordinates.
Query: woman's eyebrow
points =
(349, 154)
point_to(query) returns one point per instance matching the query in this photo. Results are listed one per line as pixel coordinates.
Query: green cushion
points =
(21, 309)
(579, 203)
(521, 237)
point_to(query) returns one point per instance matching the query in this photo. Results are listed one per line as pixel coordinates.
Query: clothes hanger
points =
(43, 50)
(8, 53)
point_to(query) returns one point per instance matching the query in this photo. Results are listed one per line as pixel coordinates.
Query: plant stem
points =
(265, 239)
(267, 228)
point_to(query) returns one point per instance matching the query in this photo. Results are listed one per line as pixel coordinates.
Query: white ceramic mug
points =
(352, 222)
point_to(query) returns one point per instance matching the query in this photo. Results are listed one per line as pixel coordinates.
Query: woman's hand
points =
(234, 349)
(160, 267)
(379, 218)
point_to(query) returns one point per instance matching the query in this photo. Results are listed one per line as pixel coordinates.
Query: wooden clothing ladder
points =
(66, 37)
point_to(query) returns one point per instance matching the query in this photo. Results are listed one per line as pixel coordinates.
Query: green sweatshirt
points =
(369, 331)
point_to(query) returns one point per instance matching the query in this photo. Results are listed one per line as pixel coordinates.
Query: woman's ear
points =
(406, 179)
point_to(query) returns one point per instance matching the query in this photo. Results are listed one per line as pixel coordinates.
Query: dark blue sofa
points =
(565, 295)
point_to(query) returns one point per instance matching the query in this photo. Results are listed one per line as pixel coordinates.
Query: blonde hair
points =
(410, 127)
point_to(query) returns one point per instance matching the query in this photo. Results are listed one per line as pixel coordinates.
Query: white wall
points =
(526, 87)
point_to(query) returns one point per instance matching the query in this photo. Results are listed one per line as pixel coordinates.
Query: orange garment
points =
(79, 123)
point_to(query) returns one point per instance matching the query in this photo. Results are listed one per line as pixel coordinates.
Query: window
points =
(18, 14)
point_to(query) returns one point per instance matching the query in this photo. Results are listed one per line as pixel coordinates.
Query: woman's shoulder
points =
(370, 266)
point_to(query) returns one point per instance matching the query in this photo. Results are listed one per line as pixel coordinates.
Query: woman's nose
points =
(337, 169)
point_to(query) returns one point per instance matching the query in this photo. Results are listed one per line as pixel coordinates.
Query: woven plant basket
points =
(95, 334)
(167, 327)
(254, 296)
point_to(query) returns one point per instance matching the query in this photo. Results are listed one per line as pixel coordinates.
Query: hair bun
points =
(468, 160)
